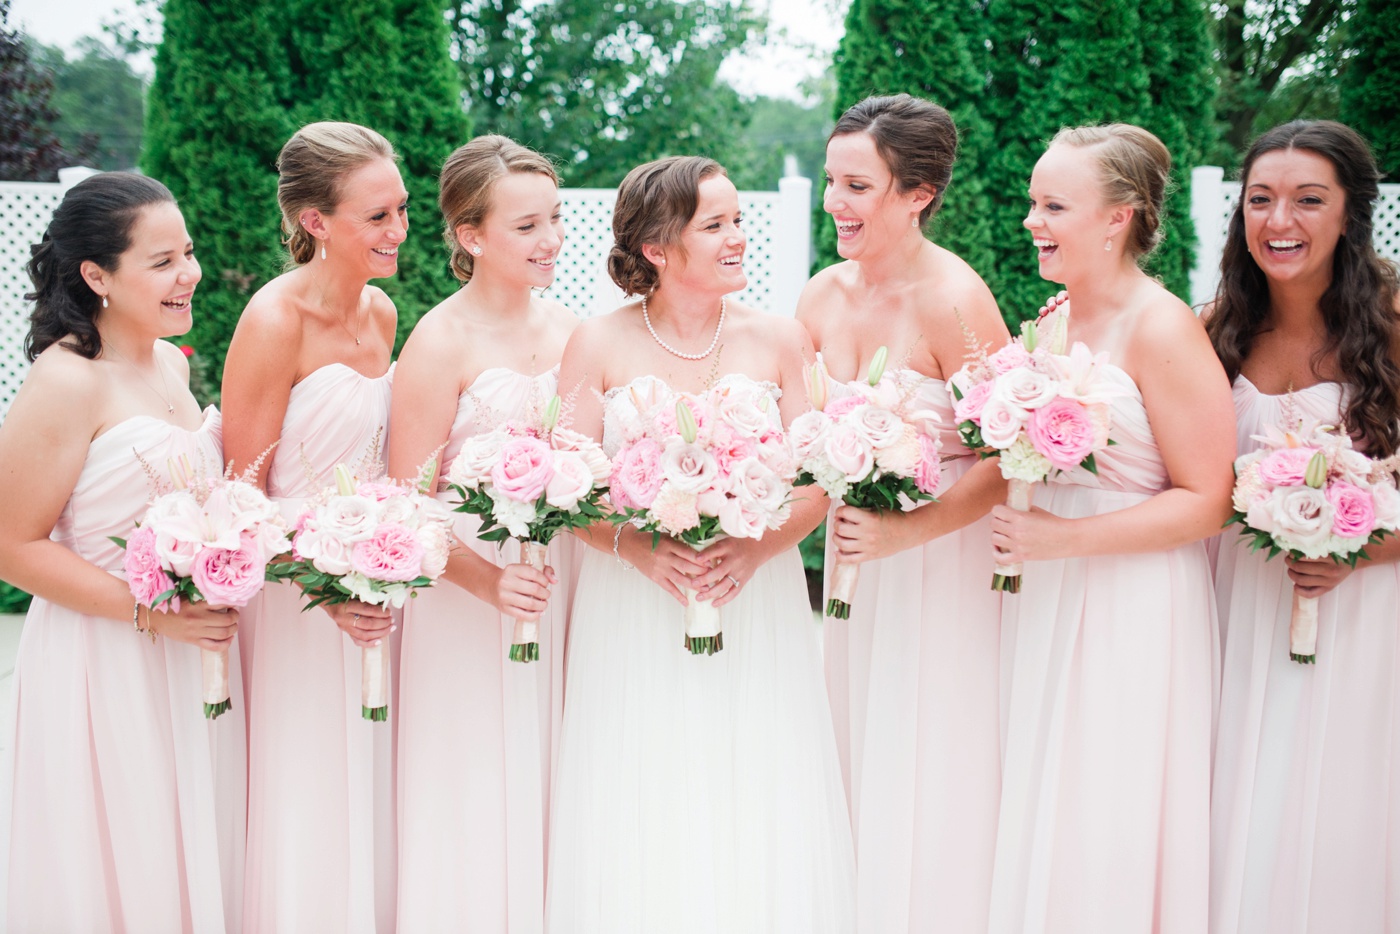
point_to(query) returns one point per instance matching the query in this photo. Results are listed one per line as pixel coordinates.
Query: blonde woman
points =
(476, 730)
(308, 368)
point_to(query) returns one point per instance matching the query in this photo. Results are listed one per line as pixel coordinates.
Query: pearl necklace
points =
(719, 326)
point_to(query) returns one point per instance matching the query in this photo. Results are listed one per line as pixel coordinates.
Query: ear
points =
(1119, 219)
(95, 276)
(467, 236)
(314, 222)
(654, 254)
(921, 197)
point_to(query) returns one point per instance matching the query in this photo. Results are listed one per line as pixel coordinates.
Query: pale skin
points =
(493, 321)
(1294, 196)
(696, 272)
(1156, 340)
(67, 401)
(309, 318)
(896, 290)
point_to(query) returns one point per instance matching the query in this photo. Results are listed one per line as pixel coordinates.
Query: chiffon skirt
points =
(697, 794)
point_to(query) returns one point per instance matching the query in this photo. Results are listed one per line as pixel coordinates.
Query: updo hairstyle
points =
(93, 222)
(916, 138)
(311, 168)
(654, 203)
(1134, 171)
(468, 178)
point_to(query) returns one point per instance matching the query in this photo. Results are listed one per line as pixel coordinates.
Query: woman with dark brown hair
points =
(692, 794)
(1305, 321)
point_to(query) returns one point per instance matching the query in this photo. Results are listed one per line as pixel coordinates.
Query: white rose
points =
(474, 461)
(1001, 422)
(1387, 500)
(402, 510)
(564, 439)
(902, 457)
(849, 452)
(690, 467)
(743, 416)
(326, 551)
(515, 516)
(741, 520)
(753, 483)
(350, 518)
(1022, 461)
(808, 433)
(878, 426)
(179, 523)
(250, 504)
(1353, 467)
(1300, 518)
(1024, 388)
(571, 481)
(436, 540)
(272, 540)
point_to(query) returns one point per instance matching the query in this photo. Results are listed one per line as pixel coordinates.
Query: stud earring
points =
(476, 251)
(1108, 245)
(323, 250)
(104, 301)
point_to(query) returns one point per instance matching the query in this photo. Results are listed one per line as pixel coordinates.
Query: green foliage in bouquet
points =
(552, 522)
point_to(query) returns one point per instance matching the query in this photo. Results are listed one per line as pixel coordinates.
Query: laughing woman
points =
(1108, 649)
(308, 368)
(1307, 771)
(121, 807)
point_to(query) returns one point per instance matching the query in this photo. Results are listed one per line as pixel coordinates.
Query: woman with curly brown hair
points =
(1305, 321)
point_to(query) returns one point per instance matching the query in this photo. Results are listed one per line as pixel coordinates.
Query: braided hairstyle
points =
(1134, 171)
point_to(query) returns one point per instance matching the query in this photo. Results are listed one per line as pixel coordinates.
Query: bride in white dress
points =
(694, 794)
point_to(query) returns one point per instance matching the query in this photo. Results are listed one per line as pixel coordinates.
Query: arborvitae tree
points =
(30, 151)
(935, 49)
(1176, 51)
(214, 124)
(1371, 82)
(384, 64)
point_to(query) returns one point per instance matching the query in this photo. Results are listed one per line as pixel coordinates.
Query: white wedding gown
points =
(696, 794)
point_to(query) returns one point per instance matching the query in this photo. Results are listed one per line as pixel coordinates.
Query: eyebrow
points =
(524, 217)
(188, 244)
(1321, 185)
(864, 178)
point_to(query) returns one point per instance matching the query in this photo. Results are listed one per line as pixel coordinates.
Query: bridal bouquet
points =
(696, 467)
(376, 542)
(1040, 409)
(1308, 494)
(868, 445)
(204, 540)
(529, 482)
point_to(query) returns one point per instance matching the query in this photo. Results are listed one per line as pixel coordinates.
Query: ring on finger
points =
(734, 580)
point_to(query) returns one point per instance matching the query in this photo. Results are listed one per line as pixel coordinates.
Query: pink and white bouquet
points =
(530, 482)
(697, 467)
(871, 445)
(1041, 410)
(1308, 494)
(204, 540)
(376, 542)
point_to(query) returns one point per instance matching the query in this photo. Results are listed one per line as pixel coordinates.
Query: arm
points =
(1192, 414)
(259, 372)
(43, 446)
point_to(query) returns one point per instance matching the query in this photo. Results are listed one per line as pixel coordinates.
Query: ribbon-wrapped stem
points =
(374, 682)
(703, 635)
(214, 674)
(1302, 629)
(844, 578)
(1007, 577)
(525, 642)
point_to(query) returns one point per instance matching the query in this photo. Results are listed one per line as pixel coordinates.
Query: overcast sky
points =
(806, 32)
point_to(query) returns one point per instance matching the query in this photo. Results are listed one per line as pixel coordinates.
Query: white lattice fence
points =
(779, 254)
(1213, 201)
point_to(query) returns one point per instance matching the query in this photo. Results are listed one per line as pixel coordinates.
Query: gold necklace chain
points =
(344, 328)
(164, 396)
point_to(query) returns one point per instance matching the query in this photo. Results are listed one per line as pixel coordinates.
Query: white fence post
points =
(1207, 194)
(792, 243)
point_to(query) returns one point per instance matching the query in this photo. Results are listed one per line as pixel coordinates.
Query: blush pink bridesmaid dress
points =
(320, 777)
(1108, 685)
(476, 730)
(1305, 829)
(122, 808)
(912, 677)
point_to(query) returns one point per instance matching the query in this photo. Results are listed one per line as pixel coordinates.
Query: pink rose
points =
(1009, 358)
(929, 473)
(636, 475)
(565, 439)
(1387, 504)
(969, 407)
(1001, 423)
(1355, 511)
(731, 451)
(144, 574)
(739, 519)
(523, 470)
(849, 453)
(1286, 466)
(392, 553)
(571, 482)
(1299, 518)
(1063, 432)
(689, 466)
(844, 404)
(229, 577)
(808, 433)
(878, 426)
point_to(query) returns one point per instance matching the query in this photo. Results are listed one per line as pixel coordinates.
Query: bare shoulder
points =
(559, 313)
(271, 314)
(172, 356)
(824, 292)
(1162, 316)
(63, 389)
(959, 293)
(433, 336)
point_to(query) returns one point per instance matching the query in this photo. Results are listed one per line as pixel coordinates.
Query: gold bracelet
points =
(136, 622)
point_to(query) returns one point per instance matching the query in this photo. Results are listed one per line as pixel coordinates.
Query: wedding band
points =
(734, 579)
(357, 617)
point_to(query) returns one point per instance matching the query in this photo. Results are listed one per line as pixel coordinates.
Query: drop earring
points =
(323, 249)
(1108, 245)
(104, 301)
(914, 221)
